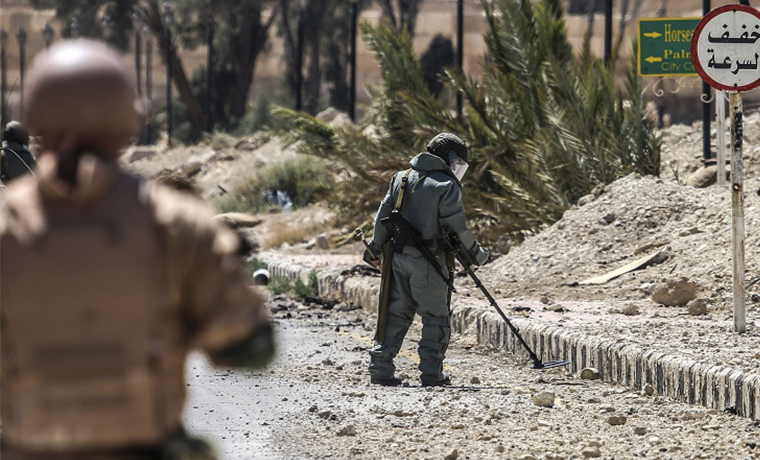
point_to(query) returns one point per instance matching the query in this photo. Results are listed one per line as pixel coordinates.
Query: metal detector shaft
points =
(536, 360)
(466, 262)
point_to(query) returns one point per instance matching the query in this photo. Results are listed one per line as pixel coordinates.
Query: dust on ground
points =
(315, 402)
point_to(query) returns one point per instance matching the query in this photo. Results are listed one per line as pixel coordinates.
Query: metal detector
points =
(452, 241)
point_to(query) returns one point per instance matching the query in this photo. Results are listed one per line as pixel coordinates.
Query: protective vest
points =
(80, 357)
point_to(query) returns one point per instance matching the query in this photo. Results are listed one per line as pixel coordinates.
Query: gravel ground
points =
(634, 217)
(315, 402)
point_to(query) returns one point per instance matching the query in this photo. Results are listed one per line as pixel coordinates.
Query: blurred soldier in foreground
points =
(15, 158)
(420, 203)
(108, 281)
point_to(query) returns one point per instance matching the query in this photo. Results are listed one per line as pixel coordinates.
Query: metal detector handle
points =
(452, 241)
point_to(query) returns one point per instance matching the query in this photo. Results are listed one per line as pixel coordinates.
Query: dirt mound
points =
(630, 218)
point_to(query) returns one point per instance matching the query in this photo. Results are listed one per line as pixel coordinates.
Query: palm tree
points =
(544, 126)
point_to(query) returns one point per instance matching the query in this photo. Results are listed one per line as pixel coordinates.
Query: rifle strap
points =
(402, 189)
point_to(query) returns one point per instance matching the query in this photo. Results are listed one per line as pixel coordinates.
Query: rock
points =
(690, 231)
(640, 430)
(543, 399)
(328, 114)
(675, 292)
(325, 414)
(252, 143)
(348, 430)
(591, 452)
(616, 420)
(194, 164)
(138, 153)
(630, 310)
(239, 219)
(341, 121)
(475, 380)
(703, 177)
(589, 373)
(697, 307)
(648, 389)
(527, 457)
(322, 242)
(586, 199)
(454, 455)
(607, 219)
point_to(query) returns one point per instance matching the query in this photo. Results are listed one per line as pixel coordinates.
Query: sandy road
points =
(315, 402)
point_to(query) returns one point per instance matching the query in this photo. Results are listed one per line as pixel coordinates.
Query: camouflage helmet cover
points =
(444, 143)
(14, 131)
(83, 91)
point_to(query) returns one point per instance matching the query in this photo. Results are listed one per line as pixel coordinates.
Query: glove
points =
(367, 256)
(254, 352)
(479, 254)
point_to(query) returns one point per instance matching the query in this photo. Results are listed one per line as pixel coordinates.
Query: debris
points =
(591, 452)
(697, 307)
(348, 430)
(454, 455)
(657, 257)
(616, 420)
(543, 399)
(648, 389)
(589, 373)
(675, 292)
(239, 219)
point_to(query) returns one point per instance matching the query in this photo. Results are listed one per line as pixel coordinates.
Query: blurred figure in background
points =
(15, 158)
(108, 281)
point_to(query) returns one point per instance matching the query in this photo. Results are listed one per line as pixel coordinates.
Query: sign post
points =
(726, 54)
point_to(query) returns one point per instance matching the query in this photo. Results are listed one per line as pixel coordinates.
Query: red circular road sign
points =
(725, 48)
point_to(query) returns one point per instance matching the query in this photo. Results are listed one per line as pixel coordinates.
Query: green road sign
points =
(665, 46)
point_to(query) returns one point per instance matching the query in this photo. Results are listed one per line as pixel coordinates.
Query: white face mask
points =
(458, 165)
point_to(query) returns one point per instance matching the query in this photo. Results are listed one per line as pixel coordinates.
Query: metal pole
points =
(299, 60)
(460, 49)
(209, 74)
(737, 211)
(21, 36)
(148, 88)
(352, 77)
(138, 67)
(720, 141)
(169, 111)
(706, 154)
(608, 31)
(3, 76)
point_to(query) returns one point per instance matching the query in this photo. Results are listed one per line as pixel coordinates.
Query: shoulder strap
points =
(402, 189)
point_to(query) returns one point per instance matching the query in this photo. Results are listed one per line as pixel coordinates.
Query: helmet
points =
(444, 143)
(81, 92)
(14, 131)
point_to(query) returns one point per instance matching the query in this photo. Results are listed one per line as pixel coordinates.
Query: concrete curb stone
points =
(718, 387)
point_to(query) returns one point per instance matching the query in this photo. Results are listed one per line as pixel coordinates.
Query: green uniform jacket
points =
(429, 206)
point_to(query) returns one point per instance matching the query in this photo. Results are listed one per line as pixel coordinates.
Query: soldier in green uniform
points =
(429, 197)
